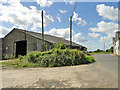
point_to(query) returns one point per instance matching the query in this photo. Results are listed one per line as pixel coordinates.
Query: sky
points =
(93, 23)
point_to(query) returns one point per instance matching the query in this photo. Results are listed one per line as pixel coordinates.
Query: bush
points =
(110, 50)
(90, 59)
(6, 57)
(58, 57)
(60, 45)
(9, 57)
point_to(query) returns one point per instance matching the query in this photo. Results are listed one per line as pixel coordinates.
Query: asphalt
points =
(108, 62)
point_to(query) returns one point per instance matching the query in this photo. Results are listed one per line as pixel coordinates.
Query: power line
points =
(78, 27)
(74, 8)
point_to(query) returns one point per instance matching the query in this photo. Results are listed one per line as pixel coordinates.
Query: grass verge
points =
(100, 53)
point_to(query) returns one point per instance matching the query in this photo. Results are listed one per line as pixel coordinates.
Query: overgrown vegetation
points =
(59, 45)
(9, 57)
(59, 56)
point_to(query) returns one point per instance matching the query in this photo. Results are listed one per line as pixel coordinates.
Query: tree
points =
(110, 50)
(98, 50)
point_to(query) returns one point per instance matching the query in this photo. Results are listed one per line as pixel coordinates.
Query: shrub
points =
(6, 57)
(60, 45)
(90, 59)
(57, 58)
(20, 57)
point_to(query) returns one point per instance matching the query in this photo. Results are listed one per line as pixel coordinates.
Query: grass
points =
(12, 63)
(16, 64)
(100, 53)
(52, 58)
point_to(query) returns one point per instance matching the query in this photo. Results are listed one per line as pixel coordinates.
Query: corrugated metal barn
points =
(21, 42)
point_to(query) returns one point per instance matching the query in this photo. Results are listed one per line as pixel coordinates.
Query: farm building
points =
(0, 48)
(20, 42)
(116, 43)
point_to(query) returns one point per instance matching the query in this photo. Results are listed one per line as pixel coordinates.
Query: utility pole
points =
(71, 26)
(42, 32)
(71, 32)
(104, 46)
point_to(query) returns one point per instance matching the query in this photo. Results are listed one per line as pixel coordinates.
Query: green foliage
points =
(98, 50)
(56, 58)
(9, 57)
(46, 47)
(90, 59)
(60, 45)
(6, 57)
(52, 58)
(110, 50)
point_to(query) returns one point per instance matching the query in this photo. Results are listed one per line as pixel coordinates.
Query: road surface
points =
(108, 62)
(102, 74)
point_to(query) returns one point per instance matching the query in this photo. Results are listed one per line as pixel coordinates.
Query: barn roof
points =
(49, 38)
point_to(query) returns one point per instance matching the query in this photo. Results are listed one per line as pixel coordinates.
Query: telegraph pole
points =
(104, 46)
(71, 32)
(42, 32)
(71, 26)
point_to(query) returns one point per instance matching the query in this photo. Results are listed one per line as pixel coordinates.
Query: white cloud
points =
(44, 3)
(108, 12)
(94, 35)
(58, 18)
(65, 33)
(69, 1)
(78, 38)
(76, 18)
(21, 16)
(4, 31)
(107, 38)
(108, 28)
(62, 11)
(105, 27)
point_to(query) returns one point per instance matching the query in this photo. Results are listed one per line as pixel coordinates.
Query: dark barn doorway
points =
(21, 48)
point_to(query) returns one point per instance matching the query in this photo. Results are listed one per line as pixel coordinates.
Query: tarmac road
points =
(108, 62)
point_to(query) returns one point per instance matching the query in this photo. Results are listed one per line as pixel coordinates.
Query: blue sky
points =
(94, 23)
